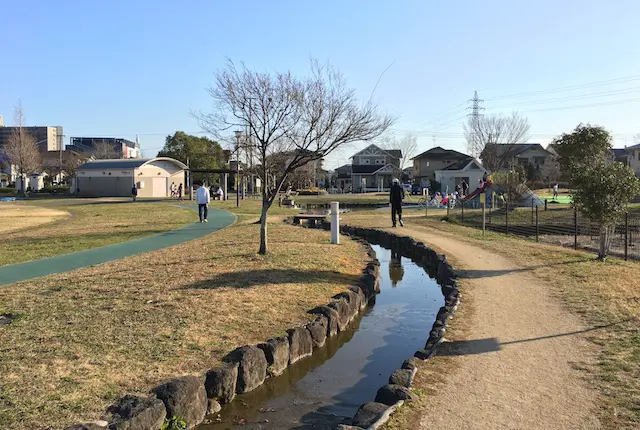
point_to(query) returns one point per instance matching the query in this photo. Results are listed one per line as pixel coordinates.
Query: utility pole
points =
(238, 134)
(474, 147)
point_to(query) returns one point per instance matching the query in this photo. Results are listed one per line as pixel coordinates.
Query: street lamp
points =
(238, 134)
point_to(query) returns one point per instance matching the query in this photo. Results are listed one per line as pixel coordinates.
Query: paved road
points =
(218, 219)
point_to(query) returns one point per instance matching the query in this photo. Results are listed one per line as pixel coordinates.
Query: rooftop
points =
(439, 153)
(126, 163)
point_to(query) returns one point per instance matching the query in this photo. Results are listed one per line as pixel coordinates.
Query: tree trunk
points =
(606, 232)
(263, 224)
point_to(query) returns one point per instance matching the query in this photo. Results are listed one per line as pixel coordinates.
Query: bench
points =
(311, 219)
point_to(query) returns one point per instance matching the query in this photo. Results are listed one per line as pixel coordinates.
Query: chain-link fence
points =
(558, 225)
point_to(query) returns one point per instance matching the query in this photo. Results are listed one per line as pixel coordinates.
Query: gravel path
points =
(520, 373)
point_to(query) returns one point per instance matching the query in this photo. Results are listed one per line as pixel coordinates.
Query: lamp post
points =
(238, 134)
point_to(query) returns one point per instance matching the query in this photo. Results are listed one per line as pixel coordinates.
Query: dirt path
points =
(521, 382)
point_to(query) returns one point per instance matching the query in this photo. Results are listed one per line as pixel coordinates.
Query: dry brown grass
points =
(93, 224)
(603, 294)
(15, 216)
(86, 337)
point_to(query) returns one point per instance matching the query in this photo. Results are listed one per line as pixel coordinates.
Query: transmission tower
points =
(474, 147)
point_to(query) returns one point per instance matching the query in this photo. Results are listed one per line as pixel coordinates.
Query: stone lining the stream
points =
(246, 367)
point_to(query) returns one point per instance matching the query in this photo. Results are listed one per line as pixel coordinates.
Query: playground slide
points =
(477, 191)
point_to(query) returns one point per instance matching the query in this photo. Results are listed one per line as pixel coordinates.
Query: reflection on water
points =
(396, 270)
(325, 390)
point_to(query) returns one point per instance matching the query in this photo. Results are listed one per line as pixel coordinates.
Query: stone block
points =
(332, 318)
(184, 397)
(136, 413)
(252, 367)
(344, 313)
(390, 394)
(362, 299)
(411, 363)
(300, 344)
(220, 382)
(276, 351)
(318, 330)
(401, 377)
(368, 414)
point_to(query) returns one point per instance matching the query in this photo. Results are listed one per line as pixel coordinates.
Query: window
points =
(379, 161)
(366, 161)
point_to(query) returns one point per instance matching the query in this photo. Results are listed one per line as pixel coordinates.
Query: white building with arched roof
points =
(115, 178)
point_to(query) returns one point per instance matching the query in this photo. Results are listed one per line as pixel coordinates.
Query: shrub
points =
(8, 191)
(312, 192)
(174, 423)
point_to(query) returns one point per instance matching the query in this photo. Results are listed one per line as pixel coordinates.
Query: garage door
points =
(159, 187)
(107, 186)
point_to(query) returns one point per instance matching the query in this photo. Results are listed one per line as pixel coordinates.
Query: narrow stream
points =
(326, 389)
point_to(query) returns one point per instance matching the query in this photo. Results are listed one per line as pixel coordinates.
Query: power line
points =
(622, 91)
(569, 88)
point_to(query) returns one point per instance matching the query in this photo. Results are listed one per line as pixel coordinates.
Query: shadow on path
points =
(476, 274)
(481, 346)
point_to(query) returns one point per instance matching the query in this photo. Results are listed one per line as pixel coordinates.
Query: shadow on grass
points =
(252, 278)
(481, 346)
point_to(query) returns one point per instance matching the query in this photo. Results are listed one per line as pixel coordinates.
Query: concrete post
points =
(225, 178)
(335, 223)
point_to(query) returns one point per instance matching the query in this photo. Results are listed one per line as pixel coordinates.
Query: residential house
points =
(528, 155)
(633, 158)
(342, 178)
(426, 164)
(373, 168)
(469, 170)
(622, 155)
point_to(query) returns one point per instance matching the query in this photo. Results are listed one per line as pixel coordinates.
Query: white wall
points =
(448, 178)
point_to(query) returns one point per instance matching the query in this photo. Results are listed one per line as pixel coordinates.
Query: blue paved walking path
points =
(218, 219)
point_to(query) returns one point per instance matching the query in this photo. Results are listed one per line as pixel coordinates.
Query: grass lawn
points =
(603, 294)
(346, 199)
(86, 337)
(91, 224)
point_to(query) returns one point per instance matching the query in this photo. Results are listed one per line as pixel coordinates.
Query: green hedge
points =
(59, 190)
(312, 192)
(7, 190)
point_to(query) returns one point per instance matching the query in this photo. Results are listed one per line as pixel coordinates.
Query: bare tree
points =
(305, 117)
(408, 145)
(493, 137)
(104, 150)
(21, 148)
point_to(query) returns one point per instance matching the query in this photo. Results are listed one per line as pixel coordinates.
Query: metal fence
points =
(557, 225)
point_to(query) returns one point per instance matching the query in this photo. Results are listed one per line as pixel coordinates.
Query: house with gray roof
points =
(426, 164)
(504, 156)
(373, 168)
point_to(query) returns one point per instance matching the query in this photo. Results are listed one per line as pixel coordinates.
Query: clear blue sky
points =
(124, 67)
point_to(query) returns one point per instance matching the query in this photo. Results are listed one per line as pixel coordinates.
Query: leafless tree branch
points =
(21, 147)
(492, 138)
(304, 119)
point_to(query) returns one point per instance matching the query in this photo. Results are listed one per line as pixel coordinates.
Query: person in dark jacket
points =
(134, 192)
(395, 198)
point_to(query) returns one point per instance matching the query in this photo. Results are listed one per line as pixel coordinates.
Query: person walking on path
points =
(396, 195)
(180, 192)
(555, 191)
(465, 187)
(203, 198)
(134, 192)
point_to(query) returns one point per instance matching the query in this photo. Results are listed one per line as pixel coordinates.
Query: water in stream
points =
(325, 390)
